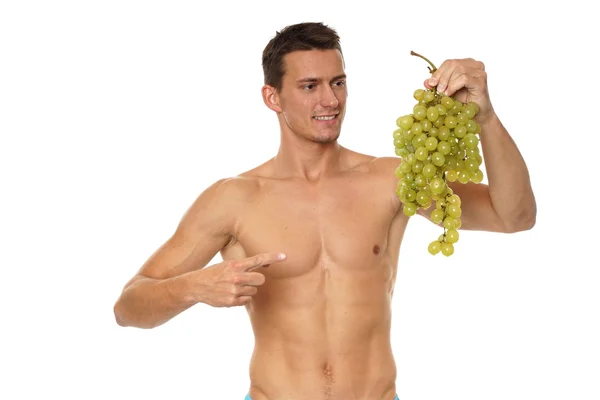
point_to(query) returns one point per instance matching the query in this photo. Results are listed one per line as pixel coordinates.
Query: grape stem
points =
(433, 67)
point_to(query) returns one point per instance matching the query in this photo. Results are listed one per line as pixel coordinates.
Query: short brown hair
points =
(302, 36)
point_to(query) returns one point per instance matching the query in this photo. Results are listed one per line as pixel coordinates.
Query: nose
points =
(328, 98)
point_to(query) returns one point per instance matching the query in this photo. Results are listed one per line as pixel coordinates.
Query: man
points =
(327, 223)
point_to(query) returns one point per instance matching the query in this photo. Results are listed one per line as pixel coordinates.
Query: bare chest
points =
(342, 225)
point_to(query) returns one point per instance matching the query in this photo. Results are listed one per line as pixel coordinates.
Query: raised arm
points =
(507, 203)
(174, 279)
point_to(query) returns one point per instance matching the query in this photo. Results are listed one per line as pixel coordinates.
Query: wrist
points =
(180, 289)
(488, 121)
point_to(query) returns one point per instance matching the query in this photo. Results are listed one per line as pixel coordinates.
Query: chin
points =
(326, 138)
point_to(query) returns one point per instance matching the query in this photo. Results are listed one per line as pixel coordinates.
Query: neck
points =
(300, 158)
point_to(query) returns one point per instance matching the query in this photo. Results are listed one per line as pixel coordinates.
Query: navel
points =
(327, 369)
(376, 249)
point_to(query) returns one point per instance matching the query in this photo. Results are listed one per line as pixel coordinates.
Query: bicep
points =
(205, 228)
(477, 210)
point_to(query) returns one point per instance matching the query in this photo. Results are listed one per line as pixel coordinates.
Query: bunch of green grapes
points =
(438, 143)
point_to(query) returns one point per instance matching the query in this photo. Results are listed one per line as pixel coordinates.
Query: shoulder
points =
(381, 172)
(383, 167)
(229, 190)
(386, 166)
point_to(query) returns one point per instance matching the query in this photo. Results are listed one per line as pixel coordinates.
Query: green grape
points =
(451, 176)
(454, 210)
(444, 133)
(419, 140)
(471, 126)
(477, 176)
(447, 249)
(462, 118)
(405, 122)
(427, 125)
(417, 167)
(471, 141)
(437, 215)
(434, 247)
(409, 209)
(431, 143)
(443, 147)
(404, 167)
(438, 159)
(469, 111)
(448, 223)
(471, 165)
(460, 131)
(463, 176)
(437, 185)
(422, 197)
(432, 113)
(419, 112)
(438, 144)
(429, 170)
(447, 102)
(452, 235)
(456, 107)
(401, 152)
(421, 153)
(420, 180)
(417, 128)
(428, 96)
(450, 121)
(454, 199)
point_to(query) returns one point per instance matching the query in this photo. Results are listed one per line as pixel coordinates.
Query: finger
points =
(471, 79)
(457, 81)
(259, 260)
(242, 300)
(255, 279)
(252, 279)
(247, 291)
(442, 75)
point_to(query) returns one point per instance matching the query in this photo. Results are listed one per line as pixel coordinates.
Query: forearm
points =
(148, 303)
(508, 177)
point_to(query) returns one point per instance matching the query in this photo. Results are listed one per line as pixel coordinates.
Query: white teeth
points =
(325, 118)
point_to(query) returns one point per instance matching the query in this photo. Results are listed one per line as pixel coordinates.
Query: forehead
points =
(313, 63)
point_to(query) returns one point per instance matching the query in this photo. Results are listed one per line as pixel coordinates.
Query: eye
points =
(340, 83)
(310, 86)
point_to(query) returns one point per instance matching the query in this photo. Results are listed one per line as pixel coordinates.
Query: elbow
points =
(119, 318)
(122, 320)
(524, 221)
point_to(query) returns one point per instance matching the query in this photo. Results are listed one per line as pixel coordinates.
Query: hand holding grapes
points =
(464, 80)
(438, 143)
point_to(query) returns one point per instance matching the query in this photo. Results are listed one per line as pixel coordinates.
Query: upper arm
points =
(477, 209)
(205, 228)
(478, 212)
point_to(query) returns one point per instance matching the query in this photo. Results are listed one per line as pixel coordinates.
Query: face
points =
(312, 99)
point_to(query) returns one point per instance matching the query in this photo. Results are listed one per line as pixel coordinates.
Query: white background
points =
(115, 115)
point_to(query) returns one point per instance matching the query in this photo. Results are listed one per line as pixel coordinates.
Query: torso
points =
(322, 319)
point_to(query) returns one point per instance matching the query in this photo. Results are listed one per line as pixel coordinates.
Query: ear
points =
(271, 98)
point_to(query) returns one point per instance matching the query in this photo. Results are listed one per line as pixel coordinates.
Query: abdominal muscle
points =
(324, 335)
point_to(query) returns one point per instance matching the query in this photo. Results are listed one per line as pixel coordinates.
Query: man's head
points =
(305, 81)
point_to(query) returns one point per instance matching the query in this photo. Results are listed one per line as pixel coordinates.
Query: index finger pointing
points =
(261, 260)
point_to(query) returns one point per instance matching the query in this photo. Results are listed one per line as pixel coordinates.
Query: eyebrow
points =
(312, 79)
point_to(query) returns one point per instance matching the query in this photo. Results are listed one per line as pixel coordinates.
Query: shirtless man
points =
(321, 312)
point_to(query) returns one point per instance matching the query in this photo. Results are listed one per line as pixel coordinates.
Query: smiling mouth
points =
(325, 117)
